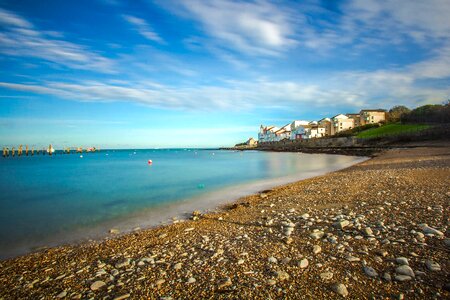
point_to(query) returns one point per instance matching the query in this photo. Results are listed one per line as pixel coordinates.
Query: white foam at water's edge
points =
(162, 214)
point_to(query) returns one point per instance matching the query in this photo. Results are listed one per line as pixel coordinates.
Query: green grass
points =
(392, 129)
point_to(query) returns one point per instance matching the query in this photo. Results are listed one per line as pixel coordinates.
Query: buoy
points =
(150, 162)
(81, 156)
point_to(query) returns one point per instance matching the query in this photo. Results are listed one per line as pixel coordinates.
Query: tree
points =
(396, 113)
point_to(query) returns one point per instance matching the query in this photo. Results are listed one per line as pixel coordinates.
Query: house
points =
(297, 129)
(251, 142)
(283, 133)
(326, 124)
(356, 119)
(267, 133)
(341, 123)
(371, 116)
(313, 131)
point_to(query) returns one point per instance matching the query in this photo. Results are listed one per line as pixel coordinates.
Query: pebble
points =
(341, 224)
(121, 297)
(159, 282)
(317, 235)
(97, 285)
(114, 231)
(340, 289)
(387, 276)
(405, 270)
(304, 263)
(62, 294)
(430, 230)
(271, 282)
(225, 282)
(432, 266)
(282, 275)
(352, 258)
(402, 261)
(272, 260)
(368, 231)
(123, 263)
(317, 249)
(177, 266)
(191, 280)
(370, 272)
(326, 275)
(402, 278)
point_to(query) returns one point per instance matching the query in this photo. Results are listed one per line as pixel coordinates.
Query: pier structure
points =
(21, 150)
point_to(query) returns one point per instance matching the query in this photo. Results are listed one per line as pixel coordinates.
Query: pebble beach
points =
(376, 230)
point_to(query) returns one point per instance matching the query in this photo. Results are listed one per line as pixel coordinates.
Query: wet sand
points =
(357, 232)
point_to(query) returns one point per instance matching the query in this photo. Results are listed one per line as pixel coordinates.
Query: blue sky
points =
(193, 73)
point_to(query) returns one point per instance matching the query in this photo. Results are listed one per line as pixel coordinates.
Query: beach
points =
(377, 229)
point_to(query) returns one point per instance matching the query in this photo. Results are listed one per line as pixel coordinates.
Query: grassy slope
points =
(391, 129)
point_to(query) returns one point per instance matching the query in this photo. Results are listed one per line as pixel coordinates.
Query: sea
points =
(70, 198)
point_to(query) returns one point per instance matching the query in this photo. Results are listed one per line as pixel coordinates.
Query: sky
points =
(194, 73)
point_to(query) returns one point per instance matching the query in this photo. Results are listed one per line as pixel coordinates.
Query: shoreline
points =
(173, 212)
(245, 251)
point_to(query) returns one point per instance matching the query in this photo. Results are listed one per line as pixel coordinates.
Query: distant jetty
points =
(19, 151)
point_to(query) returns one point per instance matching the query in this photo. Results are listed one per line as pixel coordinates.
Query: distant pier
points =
(19, 151)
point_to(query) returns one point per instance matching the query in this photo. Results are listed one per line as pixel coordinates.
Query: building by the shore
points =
(300, 129)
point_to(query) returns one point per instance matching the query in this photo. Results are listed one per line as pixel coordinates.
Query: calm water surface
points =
(50, 200)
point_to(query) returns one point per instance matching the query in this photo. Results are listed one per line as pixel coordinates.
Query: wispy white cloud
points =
(20, 38)
(254, 28)
(144, 29)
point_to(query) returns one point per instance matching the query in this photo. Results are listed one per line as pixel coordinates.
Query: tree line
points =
(430, 113)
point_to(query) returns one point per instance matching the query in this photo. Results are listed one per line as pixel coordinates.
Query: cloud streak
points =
(20, 38)
(142, 27)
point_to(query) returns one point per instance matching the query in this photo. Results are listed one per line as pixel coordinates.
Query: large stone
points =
(317, 249)
(402, 278)
(326, 275)
(430, 230)
(402, 261)
(341, 224)
(405, 270)
(432, 266)
(370, 271)
(317, 235)
(304, 263)
(340, 289)
(97, 285)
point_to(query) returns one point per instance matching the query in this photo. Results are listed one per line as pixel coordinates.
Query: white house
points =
(341, 123)
(298, 129)
(267, 134)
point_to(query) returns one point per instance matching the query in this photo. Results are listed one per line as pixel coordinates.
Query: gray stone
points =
(432, 266)
(402, 278)
(430, 230)
(341, 224)
(387, 276)
(405, 270)
(370, 272)
(340, 289)
(352, 258)
(402, 261)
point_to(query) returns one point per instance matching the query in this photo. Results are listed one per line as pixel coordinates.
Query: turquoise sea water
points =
(50, 200)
